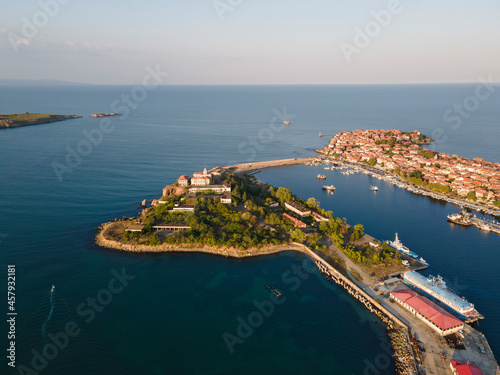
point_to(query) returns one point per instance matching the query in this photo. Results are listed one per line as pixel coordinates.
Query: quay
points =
(254, 167)
(481, 224)
(433, 353)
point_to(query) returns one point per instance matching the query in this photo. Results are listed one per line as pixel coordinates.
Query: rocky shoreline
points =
(101, 240)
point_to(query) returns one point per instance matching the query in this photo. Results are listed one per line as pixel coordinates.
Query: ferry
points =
(321, 177)
(287, 122)
(329, 187)
(373, 188)
(398, 245)
(461, 218)
(432, 288)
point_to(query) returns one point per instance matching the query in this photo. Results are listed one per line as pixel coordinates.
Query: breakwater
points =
(398, 332)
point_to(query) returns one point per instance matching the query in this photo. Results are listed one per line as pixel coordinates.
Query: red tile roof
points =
(466, 368)
(437, 315)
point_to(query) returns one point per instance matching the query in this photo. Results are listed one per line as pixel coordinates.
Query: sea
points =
(82, 309)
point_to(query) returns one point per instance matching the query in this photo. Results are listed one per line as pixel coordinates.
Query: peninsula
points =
(399, 153)
(16, 120)
(227, 211)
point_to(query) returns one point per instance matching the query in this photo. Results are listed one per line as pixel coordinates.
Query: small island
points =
(104, 114)
(15, 120)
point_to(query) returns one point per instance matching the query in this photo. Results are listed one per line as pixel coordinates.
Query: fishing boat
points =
(321, 177)
(485, 227)
(329, 187)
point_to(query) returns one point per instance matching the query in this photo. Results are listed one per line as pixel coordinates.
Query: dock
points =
(433, 354)
(480, 223)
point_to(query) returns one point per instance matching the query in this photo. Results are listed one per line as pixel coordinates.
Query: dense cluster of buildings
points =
(202, 182)
(394, 149)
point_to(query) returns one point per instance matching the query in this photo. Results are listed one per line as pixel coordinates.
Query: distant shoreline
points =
(16, 120)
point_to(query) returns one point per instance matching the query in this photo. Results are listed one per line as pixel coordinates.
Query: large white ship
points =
(435, 289)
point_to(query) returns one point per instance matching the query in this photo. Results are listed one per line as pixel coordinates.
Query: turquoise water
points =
(170, 319)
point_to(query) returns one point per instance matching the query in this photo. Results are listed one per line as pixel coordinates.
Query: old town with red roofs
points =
(400, 152)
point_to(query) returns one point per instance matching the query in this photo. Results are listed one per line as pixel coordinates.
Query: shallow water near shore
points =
(171, 317)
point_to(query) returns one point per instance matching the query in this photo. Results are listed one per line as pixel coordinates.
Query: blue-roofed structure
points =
(450, 301)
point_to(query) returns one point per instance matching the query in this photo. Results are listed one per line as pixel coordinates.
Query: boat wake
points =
(44, 335)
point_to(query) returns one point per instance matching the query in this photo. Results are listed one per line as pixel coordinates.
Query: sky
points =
(251, 41)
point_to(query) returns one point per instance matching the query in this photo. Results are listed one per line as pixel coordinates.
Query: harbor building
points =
(450, 301)
(430, 313)
(296, 222)
(464, 368)
(297, 208)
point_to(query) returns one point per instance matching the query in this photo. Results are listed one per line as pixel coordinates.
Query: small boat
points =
(52, 289)
(329, 187)
(485, 227)
(321, 177)
(287, 122)
(374, 188)
(320, 135)
(423, 261)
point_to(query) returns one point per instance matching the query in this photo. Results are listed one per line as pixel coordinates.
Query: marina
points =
(466, 219)
(350, 168)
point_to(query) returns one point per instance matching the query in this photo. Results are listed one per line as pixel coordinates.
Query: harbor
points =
(439, 350)
(417, 347)
(466, 219)
(349, 168)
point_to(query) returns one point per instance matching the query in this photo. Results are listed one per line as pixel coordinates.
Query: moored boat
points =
(321, 177)
(461, 218)
(328, 187)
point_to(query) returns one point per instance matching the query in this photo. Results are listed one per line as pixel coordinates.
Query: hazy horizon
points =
(229, 42)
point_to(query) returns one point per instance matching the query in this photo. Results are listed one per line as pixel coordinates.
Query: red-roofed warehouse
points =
(464, 368)
(434, 316)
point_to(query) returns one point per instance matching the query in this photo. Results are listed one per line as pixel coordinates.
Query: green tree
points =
(297, 235)
(312, 202)
(284, 194)
(372, 161)
(471, 195)
(154, 240)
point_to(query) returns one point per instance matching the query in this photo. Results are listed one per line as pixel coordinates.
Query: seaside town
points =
(400, 153)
